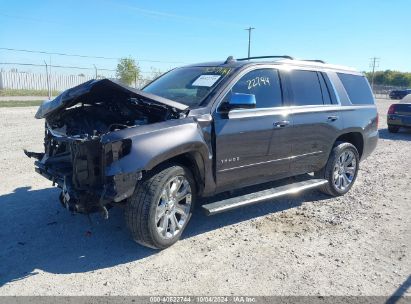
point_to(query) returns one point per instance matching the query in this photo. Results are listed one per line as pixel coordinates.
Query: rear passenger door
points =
(315, 119)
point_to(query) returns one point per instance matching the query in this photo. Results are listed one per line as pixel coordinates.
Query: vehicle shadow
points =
(39, 235)
(403, 134)
(205, 223)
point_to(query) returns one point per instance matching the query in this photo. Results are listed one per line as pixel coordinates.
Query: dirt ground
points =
(358, 244)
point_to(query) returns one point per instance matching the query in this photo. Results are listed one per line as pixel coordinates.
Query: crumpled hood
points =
(98, 91)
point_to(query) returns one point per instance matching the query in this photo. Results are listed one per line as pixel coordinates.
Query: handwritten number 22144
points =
(258, 81)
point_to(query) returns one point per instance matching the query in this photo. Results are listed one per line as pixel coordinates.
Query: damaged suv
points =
(204, 129)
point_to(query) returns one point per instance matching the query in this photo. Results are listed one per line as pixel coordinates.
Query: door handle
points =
(332, 118)
(281, 123)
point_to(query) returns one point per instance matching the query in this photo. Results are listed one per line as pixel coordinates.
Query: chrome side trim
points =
(271, 161)
(285, 111)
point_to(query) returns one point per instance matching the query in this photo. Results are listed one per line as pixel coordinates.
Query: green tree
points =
(399, 79)
(390, 78)
(128, 71)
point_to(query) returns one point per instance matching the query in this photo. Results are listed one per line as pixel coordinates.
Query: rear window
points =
(357, 88)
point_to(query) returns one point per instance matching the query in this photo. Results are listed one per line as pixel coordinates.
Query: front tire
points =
(393, 129)
(161, 206)
(341, 169)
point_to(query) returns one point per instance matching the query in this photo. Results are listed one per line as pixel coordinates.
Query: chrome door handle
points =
(332, 118)
(281, 123)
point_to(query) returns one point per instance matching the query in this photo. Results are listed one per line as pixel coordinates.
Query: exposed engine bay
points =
(87, 120)
(97, 107)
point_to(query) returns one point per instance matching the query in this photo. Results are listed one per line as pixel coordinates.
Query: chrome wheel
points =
(344, 170)
(173, 207)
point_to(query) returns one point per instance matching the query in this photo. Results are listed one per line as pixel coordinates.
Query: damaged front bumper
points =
(80, 172)
(116, 189)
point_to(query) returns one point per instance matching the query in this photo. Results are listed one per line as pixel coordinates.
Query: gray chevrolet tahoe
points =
(203, 129)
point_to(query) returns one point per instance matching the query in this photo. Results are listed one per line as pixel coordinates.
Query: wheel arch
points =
(354, 138)
(192, 160)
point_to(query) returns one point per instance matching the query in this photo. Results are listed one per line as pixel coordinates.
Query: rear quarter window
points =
(357, 88)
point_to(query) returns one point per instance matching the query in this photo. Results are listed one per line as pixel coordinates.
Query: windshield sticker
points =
(218, 70)
(258, 81)
(206, 80)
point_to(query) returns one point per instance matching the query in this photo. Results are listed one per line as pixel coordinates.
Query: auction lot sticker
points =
(206, 80)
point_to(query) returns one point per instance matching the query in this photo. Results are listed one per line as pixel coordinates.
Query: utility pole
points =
(249, 38)
(95, 69)
(374, 63)
(48, 80)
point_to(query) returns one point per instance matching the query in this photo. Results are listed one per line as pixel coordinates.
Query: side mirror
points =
(242, 101)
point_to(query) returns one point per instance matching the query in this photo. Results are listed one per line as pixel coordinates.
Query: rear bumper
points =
(399, 120)
(370, 143)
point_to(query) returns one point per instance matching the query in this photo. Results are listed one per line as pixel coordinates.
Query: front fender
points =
(156, 143)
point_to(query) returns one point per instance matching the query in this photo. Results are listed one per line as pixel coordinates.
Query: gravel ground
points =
(310, 244)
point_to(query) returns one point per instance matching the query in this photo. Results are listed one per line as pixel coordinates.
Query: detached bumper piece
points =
(264, 195)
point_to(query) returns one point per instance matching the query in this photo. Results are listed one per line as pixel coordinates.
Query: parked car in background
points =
(399, 115)
(399, 94)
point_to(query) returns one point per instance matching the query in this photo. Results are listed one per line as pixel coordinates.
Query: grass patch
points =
(19, 103)
(10, 92)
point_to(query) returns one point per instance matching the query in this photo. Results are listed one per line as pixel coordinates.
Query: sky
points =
(163, 34)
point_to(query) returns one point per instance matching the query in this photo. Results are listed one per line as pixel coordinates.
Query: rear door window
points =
(306, 88)
(357, 88)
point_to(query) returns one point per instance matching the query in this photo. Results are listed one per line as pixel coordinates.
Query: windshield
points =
(189, 85)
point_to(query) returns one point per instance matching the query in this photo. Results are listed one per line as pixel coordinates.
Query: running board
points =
(256, 197)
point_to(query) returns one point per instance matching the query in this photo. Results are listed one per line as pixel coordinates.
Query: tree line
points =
(390, 78)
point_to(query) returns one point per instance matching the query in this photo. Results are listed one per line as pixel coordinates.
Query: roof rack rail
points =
(264, 57)
(314, 60)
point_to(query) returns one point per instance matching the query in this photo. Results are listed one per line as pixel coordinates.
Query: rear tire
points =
(341, 169)
(161, 206)
(393, 129)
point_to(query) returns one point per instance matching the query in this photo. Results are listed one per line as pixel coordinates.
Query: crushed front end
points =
(83, 144)
(77, 166)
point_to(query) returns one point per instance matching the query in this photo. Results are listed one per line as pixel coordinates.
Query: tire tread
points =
(137, 213)
(326, 172)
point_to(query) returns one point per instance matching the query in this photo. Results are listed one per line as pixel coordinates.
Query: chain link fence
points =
(56, 78)
(383, 91)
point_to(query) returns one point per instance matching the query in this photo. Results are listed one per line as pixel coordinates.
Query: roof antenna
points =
(229, 59)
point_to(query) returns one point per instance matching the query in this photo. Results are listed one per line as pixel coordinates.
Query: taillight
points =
(391, 110)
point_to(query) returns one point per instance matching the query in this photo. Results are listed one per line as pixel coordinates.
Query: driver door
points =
(244, 136)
